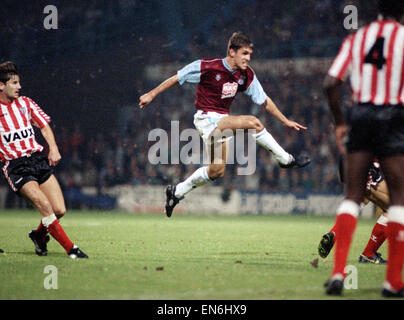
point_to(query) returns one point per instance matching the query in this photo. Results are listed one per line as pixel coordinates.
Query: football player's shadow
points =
(30, 253)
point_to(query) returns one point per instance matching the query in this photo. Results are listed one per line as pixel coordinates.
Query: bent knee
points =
(59, 212)
(255, 123)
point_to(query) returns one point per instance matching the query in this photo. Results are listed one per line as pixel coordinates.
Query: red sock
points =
(56, 231)
(379, 234)
(42, 231)
(344, 226)
(333, 228)
(395, 238)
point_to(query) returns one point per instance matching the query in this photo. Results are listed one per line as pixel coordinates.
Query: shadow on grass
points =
(30, 253)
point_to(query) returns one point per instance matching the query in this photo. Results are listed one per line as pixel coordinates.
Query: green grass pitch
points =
(151, 257)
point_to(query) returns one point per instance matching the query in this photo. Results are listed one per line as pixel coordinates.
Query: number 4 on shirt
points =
(375, 54)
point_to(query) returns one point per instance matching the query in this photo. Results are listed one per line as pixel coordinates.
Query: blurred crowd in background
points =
(92, 67)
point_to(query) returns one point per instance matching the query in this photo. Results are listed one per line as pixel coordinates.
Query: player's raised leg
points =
(264, 139)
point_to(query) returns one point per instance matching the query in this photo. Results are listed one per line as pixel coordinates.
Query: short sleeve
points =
(38, 117)
(342, 62)
(256, 92)
(190, 73)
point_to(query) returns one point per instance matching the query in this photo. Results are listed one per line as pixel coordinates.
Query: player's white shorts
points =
(206, 122)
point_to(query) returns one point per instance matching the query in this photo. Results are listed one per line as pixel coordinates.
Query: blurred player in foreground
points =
(27, 170)
(219, 80)
(376, 192)
(373, 58)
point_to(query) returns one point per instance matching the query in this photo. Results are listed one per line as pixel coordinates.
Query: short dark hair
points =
(7, 70)
(239, 40)
(391, 8)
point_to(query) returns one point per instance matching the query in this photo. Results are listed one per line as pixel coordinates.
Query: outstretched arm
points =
(331, 88)
(54, 155)
(270, 106)
(148, 97)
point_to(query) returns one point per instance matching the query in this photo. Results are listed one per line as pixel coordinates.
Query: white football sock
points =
(48, 220)
(382, 220)
(197, 179)
(266, 140)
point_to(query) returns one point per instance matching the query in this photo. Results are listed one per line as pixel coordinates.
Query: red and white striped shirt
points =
(373, 58)
(17, 134)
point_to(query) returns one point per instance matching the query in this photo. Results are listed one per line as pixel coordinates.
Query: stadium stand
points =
(90, 72)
